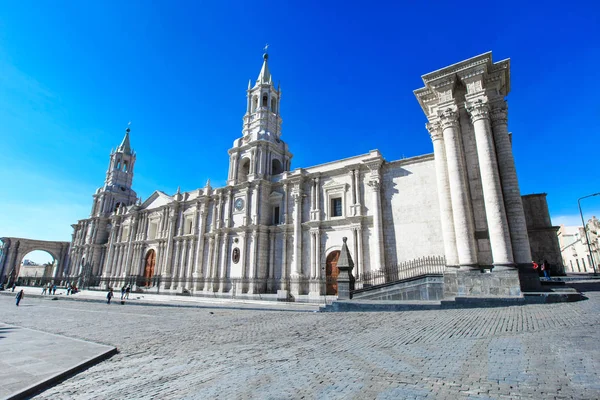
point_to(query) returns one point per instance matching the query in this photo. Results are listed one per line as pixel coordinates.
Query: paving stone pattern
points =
(521, 352)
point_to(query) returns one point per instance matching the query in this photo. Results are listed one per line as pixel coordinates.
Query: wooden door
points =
(332, 272)
(149, 269)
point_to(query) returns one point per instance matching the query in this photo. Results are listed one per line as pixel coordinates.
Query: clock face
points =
(239, 204)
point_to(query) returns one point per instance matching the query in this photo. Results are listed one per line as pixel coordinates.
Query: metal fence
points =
(430, 265)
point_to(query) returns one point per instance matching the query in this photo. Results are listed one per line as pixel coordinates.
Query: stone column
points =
(318, 252)
(490, 182)
(284, 263)
(360, 269)
(510, 186)
(461, 206)
(224, 261)
(209, 272)
(443, 189)
(312, 254)
(201, 227)
(272, 254)
(297, 264)
(377, 257)
(253, 259)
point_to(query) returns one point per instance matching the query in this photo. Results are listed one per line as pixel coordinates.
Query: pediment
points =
(156, 200)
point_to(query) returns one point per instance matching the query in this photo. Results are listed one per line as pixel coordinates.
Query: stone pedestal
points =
(345, 280)
(474, 283)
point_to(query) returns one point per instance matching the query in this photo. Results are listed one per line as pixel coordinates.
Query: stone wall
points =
(411, 212)
(543, 237)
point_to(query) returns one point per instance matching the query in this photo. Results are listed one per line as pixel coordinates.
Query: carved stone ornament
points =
(375, 185)
(235, 255)
(478, 110)
(435, 130)
(448, 118)
(499, 115)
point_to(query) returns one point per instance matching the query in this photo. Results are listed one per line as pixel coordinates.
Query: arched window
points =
(125, 166)
(244, 170)
(273, 105)
(119, 165)
(265, 100)
(254, 103)
(276, 167)
(117, 207)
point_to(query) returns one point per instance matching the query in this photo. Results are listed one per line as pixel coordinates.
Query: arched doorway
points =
(332, 272)
(149, 267)
(37, 267)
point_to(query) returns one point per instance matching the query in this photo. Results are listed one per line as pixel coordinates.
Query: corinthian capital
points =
(435, 130)
(448, 118)
(499, 115)
(478, 110)
(374, 184)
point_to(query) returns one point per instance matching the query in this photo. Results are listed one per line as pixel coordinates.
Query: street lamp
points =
(585, 230)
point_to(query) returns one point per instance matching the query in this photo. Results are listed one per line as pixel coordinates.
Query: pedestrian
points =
(19, 296)
(122, 292)
(53, 289)
(14, 285)
(68, 288)
(127, 291)
(109, 296)
(45, 288)
(546, 269)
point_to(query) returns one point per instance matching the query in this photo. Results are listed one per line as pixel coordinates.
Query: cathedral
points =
(273, 229)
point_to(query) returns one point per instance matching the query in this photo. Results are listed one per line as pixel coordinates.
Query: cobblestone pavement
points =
(534, 351)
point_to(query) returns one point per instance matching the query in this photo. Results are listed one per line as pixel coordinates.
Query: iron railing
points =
(430, 265)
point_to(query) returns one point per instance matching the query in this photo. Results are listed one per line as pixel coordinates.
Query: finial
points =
(344, 239)
(207, 183)
(266, 49)
(249, 84)
(128, 127)
(178, 189)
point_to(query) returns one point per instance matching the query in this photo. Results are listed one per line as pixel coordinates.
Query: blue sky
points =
(73, 74)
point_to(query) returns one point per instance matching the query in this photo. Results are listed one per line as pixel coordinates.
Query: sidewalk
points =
(147, 299)
(33, 360)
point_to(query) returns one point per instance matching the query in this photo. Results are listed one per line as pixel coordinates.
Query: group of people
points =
(125, 290)
(543, 269)
(49, 289)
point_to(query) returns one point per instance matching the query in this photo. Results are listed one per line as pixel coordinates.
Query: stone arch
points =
(15, 249)
(276, 167)
(244, 169)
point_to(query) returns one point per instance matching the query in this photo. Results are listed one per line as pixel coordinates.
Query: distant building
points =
(574, 246)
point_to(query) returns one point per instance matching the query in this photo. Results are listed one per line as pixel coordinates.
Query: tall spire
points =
(265, 75)
(125, 147)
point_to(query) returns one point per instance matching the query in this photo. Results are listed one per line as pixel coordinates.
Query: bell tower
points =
(117, 191)
(260, 153)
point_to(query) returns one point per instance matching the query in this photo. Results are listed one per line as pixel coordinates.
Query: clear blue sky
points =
(72, 74)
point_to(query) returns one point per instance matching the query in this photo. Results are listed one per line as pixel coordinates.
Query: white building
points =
(277, 228)
(574, 246)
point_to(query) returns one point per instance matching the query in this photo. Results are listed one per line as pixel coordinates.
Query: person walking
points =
(68, 288)
(53, 289)
(122, 292)
(45, 288)
(546, 269)
(109, 296)
(127, 291)
(14, 285)
(19, 297)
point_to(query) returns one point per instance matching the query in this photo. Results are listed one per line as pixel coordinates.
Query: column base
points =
(503, 266)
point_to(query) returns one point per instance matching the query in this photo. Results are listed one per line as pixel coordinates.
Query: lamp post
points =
(585, 230)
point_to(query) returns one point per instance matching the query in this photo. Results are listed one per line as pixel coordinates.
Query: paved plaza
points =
(533, 351)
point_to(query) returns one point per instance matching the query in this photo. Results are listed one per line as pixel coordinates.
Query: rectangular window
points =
(275, 215)
(188, 226)
(152, 230)
(336, 207)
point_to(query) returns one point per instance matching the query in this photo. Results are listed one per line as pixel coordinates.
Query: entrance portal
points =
(149, 268)
(332, 272)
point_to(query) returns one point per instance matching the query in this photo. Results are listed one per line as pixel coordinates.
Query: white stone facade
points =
(574, 246)
(272, 228)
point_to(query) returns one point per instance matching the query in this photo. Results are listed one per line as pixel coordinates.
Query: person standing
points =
(53, 289)
(68, 288)
(109, 296)
(45, 288)
(14, 285)
(122, 292)
(19, 296)
(127, 291)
